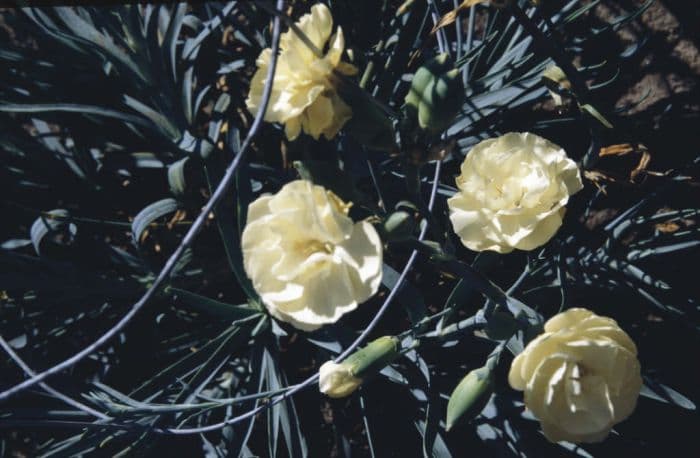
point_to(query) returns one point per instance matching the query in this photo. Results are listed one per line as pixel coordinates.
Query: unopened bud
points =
(399, 226)
(470, 396)
(339, 380)
(336, 380)
(556, 81)
(436, 94)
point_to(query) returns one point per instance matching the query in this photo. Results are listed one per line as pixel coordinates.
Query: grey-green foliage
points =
(114, 97)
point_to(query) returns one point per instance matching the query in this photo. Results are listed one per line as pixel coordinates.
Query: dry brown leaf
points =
(404, 7)
(642, 166)
(221, 84)
(623, 149)
(178, 217)
(450, 17)
(617, 150)
(668, 227)
(598, 178)
(227, 37)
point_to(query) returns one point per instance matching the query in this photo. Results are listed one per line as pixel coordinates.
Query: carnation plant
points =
(335, 228)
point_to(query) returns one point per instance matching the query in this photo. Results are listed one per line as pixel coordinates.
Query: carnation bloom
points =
(512, 193)
(304, 94)
(308, 261)
(580, 377)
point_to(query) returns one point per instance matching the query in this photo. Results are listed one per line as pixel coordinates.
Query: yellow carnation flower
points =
(512, 193)
(304, 95)
(580, 377)
(308, 261)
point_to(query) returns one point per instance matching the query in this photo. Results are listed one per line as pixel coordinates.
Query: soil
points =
(672, 70)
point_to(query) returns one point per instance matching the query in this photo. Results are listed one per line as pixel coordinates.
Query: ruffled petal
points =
(308, 261)
(580, 377)
(567, 319)
(318, 116)
(512, 193)
(303, 95)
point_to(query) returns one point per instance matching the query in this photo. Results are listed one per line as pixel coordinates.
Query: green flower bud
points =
(374, 356)
(442, 101)
(399, 226)
(556, 75)
(556, 81)
(338, 380)
(470, 396)
(436, 94)
(424, 76)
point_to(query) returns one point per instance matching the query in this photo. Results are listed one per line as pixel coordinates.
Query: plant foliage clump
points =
(130, 158)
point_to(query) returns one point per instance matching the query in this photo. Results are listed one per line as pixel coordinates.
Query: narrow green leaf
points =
(150, 214)
(55, 222)
(164, 124)
(660, 392)
(408, 295)
(74, 108)
(170, 39)
(212, 307)
(591, 110)
(225, 214)
(83, 29)
(328, 175)
(176, 176)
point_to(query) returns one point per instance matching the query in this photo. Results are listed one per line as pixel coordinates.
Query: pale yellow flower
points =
(512, 193)
(308, 261)
(336, 380)
(580, 377)
(304, 92)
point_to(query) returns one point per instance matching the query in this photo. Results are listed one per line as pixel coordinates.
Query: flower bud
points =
(374, 356)
(338, 380)
(442, 101)
(556, 82)
(399, 226)
(471, 395)
(423, 76)
(436, 94)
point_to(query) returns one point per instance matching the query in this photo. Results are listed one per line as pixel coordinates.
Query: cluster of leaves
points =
(119, 125)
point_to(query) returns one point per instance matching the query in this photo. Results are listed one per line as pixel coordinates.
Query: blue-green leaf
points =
(150, 214)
